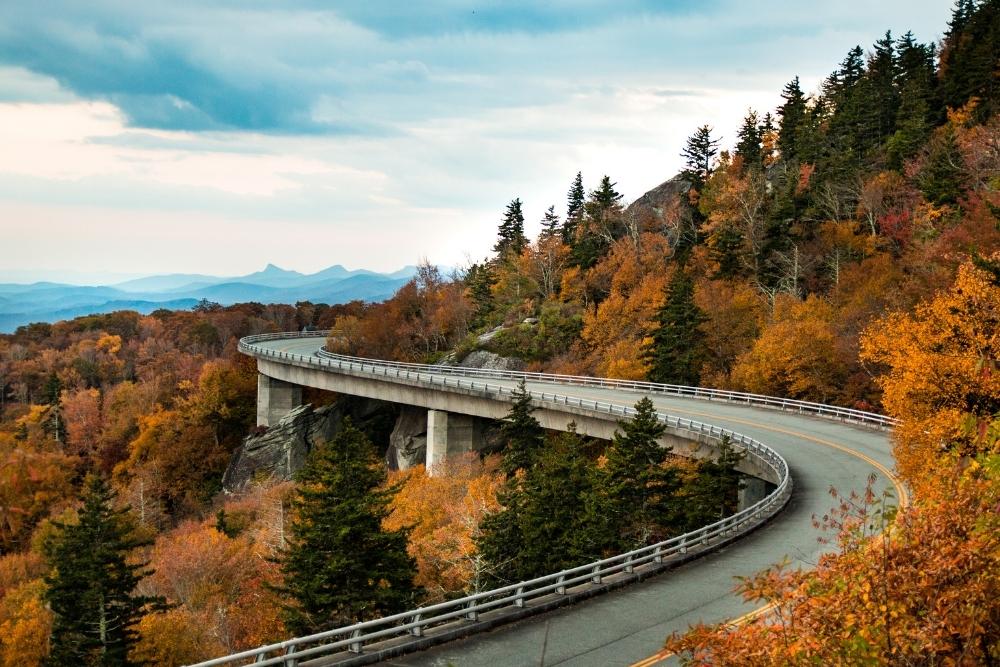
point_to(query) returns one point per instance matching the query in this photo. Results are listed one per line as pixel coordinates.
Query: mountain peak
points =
(271, 268)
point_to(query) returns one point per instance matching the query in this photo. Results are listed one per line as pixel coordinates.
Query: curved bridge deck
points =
(629, 625)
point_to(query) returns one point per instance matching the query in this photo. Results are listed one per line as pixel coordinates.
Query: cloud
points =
(373, 134)
(304, 68)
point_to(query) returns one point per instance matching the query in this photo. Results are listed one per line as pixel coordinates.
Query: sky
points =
(216, 137)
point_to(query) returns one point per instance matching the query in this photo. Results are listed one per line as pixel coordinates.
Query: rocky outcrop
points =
(281, 450)
(651, 206)
(491, 361)
(408, 440)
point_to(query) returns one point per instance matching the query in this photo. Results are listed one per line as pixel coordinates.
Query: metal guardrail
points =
(849, 415)
(416, 622)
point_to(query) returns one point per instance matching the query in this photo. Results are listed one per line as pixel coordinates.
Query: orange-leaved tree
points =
(921, 587)
(444, 513)
(942, 369)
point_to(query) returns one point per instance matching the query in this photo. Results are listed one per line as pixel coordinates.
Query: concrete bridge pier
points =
(754, 490)
(448, 434)
(275, 399)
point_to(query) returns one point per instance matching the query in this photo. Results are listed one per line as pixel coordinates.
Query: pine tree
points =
(883, 101)
(969, 60)
(848, 95)
(941, 179)
(748, 141)
(574, 208)
(511, 239)
(340, 565)
(713, 494)
(605, 201)
(550, 223)
(479, 280)
(601, 224)
(639, 487)
(675, 352)
(725, 247)
(552, 519)
(699, 156)
(793, 113)
(523, 436)
(91, 586)
(562, 521)
(918, 106)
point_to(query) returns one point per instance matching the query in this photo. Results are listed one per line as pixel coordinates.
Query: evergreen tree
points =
(91, 586)
(675, 352)
(479, 280)
(793, 113)
(970, 57)
(604, 202)
(941, 180)
(574, 208)
(602, 223)
(550, 223)
(848, 98)
(725, 247)
(882, 103)
(511, 239)
(713, 494)
(918, 107)
(53, 389)
(552, 519)
(699, 156)
(340, 566)
(639, 486)
(523, 436)
(748, 141)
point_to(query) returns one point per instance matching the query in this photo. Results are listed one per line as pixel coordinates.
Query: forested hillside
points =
(843, 248)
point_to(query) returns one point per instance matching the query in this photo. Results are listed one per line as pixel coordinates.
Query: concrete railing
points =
(423, 626)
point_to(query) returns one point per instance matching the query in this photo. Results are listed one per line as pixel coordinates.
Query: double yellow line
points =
(901, 492)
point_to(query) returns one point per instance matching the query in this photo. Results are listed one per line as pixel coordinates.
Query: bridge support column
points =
(754, 490)
(448, 434)
(275, 399)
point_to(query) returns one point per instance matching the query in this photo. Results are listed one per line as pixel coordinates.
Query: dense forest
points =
(844, 248)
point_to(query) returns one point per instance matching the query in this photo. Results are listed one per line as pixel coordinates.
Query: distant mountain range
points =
(50, 302)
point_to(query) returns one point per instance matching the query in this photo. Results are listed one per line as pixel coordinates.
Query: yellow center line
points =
(904, 501)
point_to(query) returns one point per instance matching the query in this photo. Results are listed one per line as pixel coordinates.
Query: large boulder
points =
(281, 450)
(491, 361)
(650, 207)
(408, 440)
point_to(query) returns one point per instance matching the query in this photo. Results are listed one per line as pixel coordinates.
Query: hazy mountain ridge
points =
(49, 302)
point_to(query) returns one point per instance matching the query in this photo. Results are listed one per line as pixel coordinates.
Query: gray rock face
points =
(650, 206)
(408, 440)
(491, 361)
(281, 451)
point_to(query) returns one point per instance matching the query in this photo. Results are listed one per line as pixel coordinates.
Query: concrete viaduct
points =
(823, 446)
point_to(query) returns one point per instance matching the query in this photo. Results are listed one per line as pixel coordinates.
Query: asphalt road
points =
(628, 625)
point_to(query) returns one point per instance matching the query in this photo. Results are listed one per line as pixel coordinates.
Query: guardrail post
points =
(416, 630)
(519, 600)
(472, 615)
(683, 548)
(658, 555)
(261, 657)
(355, 647)
(704, 536)
(290, 662)
(561, 590)
(595, 575)
(628, 565)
